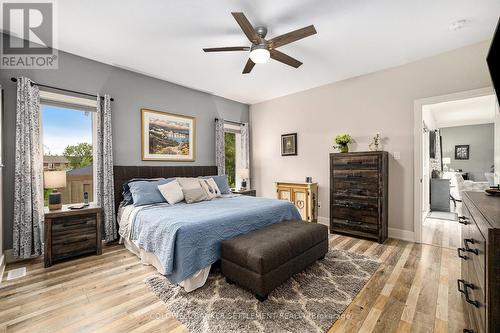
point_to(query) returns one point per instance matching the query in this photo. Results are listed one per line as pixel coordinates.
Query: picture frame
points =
(289, 144)
(167, 136)
(462, 152)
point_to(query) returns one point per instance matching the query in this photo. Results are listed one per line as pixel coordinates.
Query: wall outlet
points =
(396, 155)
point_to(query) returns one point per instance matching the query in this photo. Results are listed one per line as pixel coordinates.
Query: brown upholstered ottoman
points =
(263, 259)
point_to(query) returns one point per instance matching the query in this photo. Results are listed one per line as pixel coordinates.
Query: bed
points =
(182, 241)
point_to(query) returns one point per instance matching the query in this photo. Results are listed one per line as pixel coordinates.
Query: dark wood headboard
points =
(125, 173)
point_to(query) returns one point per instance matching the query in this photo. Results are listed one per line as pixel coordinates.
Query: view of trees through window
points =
(230, 149)
(67, 146)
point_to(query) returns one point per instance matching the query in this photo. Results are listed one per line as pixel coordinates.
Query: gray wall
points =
(131, 91)
(481, 151)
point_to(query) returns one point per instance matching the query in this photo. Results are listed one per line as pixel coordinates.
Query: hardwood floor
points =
(443, 233)
(413, 291)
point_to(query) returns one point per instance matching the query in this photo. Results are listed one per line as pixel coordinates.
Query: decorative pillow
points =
(172, 192)
(221, 182)
(210, 188)
(147, 192)
(192, 190)
(127, 196)
(194, 195)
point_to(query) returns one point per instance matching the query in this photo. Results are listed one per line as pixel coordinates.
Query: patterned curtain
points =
(104, 167)
(436, 163)
(245, 151)
(220, 153)
(28, 188)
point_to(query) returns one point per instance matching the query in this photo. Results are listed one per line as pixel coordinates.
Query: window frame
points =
(79, 104)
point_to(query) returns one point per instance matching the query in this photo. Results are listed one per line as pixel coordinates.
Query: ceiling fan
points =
(261, 49)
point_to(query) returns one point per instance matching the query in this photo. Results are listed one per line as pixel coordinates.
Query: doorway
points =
(439, 174)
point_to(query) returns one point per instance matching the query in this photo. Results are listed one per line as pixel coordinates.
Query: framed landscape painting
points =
(167, 136)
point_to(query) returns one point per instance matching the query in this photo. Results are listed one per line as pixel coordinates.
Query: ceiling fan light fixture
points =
(260, 55)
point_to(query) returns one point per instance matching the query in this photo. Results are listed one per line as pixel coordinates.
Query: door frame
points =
(417, 148)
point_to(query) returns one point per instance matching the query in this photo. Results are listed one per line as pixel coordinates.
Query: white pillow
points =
(172, 192)
(210, 187)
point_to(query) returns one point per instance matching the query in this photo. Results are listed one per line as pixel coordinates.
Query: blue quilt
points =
(187, 237)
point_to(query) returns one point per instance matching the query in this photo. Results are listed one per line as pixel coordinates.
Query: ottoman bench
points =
(263, 259)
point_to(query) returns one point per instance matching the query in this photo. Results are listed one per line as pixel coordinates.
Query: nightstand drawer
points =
(74, 223)
(71, 248)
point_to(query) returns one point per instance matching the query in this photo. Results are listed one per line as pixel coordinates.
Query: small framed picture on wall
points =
(289, 144)
(462, 152)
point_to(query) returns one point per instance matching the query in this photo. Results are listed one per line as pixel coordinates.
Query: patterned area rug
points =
(311, 301)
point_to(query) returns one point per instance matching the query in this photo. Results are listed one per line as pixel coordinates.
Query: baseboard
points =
(324, 220)
(401, 234)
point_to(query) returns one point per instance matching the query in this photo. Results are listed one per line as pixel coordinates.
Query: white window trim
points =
(87, 105)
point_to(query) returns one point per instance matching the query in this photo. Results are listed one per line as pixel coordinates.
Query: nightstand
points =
(72, 232)
(251, 193)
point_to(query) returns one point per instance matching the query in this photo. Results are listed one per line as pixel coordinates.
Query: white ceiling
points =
(164, 39)
(471, 111)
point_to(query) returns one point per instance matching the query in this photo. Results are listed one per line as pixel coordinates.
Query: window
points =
(68, 132)
(230, 147)
(232, 143)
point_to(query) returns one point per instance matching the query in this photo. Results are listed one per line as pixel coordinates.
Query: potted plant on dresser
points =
(342, 141)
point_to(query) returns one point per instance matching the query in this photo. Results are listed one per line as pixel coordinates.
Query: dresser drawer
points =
(356, 162)
(348, 188)
(353, 226)
(356, 177)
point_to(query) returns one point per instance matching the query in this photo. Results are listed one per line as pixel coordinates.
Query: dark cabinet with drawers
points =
(359, 194)
(480, 254)
(71, 233)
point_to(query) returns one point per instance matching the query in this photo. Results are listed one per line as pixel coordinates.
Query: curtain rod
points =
(13, 79)
(231, 122)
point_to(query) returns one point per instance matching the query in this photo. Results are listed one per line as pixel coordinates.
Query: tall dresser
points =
(480, 254)
(359, 194)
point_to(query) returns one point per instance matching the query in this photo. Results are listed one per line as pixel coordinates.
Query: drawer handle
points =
(463, 220)
(354, 222)
(467, 248)
(460, 255)
(466, 330)
(355, 162)
(465, 291)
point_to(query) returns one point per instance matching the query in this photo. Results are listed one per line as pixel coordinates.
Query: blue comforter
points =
(186, 237)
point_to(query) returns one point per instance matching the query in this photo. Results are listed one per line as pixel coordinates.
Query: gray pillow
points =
(194, 195)
(221, 182)
(147, 192)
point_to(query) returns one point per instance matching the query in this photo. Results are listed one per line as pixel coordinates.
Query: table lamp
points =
(54, 180)
(446, 161)
(244, 174)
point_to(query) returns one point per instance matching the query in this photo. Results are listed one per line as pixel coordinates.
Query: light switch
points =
(396, 155)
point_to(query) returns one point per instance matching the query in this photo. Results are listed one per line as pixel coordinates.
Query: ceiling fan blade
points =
(249, 66)
(292, 36)
(286, 59)
(229, 48)
(247, 27)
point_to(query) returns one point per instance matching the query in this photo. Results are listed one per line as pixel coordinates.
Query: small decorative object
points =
(446, 161)
(462, 152)
(376, 144)
(244, 174)
(342, 141)
(167, 137)
(309, 180)
(54, 180)
(289, 144)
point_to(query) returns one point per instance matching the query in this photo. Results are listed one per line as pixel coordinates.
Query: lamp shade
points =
(446, 160)
(54, 179)
(244, 173)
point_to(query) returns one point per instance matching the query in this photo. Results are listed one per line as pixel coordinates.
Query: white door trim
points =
(417, 151)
